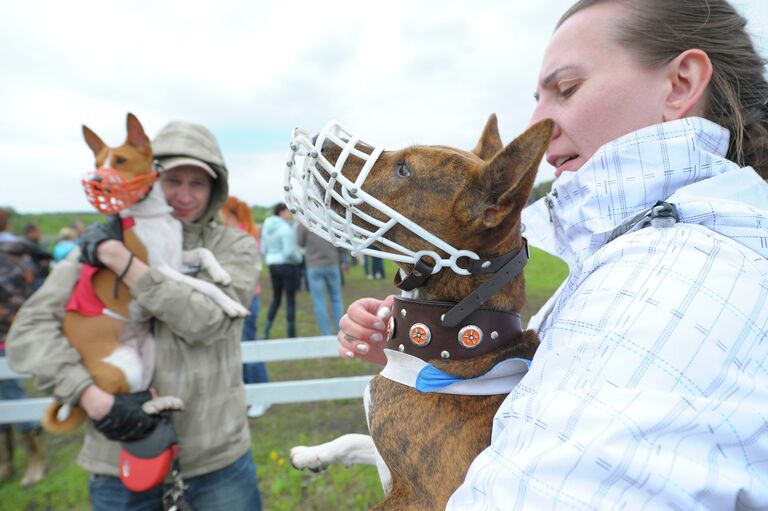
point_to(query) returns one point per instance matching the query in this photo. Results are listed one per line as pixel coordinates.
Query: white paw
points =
(220, 276)
(159, 404)
(309, 457)
(232, 308)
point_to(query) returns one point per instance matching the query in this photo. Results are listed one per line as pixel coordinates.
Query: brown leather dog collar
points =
(417, 329)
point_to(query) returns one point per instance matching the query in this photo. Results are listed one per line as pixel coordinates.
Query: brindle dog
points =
(472, 200)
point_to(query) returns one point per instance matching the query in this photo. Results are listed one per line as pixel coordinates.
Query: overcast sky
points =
(396, 73)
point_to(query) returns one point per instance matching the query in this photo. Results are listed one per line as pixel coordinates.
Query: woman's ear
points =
(690, 74)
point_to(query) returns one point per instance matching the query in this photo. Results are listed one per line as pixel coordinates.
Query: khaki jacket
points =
(198, 355)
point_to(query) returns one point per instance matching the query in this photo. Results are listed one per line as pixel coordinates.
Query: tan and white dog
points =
(111, 332)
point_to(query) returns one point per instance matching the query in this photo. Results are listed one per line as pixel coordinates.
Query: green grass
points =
(283, 426)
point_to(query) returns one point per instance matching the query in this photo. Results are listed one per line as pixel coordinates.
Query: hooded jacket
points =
(278, 242)
(198, 355)
(649, 389)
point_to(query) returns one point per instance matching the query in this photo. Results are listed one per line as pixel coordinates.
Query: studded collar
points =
(417, 329)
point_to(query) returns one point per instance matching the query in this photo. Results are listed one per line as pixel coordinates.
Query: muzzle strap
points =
(478, 297)
(421, 272)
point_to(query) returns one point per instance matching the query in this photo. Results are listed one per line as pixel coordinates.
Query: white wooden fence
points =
(21, 410)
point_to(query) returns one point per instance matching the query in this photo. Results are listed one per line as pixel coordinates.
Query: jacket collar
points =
(624, 177)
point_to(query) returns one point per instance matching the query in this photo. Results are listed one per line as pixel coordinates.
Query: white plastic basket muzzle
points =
(312, 184)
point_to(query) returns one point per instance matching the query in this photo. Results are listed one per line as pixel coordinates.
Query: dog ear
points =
(136, 136)
(490, 141)
(506, 181)
(93, 140)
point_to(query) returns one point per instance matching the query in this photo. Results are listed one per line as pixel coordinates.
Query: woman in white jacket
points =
(650, 388)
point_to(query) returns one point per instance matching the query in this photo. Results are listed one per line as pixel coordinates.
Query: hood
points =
(180, 138)
(681, 162)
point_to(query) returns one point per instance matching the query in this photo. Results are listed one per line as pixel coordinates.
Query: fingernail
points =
(349, 354)
(378, 325)
(383, 313)
(362, 348)
(377, 337)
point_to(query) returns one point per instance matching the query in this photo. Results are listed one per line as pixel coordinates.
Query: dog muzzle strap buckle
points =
(478, 297)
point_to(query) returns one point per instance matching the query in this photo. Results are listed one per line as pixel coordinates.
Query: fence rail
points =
(21, 410)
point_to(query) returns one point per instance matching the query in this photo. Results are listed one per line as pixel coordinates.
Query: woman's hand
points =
(363, 329)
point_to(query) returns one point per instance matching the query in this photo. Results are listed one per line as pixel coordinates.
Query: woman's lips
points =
(566, 164)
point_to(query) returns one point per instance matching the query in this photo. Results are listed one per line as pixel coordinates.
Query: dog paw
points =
(160, 404)
(233, 309)
(308, 457)
(220, 276)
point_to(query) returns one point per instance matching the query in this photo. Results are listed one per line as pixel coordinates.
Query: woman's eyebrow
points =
(548, 80)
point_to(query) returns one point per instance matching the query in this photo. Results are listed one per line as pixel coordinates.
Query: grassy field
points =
(283, 426)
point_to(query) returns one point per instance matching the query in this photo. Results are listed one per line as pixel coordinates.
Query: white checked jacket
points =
(650, 388)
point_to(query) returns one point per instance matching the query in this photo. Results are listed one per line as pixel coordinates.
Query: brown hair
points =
(240, 211)
(657, 31)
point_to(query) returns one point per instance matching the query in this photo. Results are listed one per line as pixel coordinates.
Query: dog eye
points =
(402, 169)
(119, 160)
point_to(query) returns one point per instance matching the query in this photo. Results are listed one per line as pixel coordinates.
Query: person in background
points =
(67, 241)
(374, 267)
(40, 257)
(198, 351)
(16, 280)
(324, 263)
(282, 256)
(236, 213)
(79, 227)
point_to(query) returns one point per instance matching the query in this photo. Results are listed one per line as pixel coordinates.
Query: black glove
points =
(96, 233)
(126, 421)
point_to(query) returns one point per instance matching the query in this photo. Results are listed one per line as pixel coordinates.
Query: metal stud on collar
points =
(420, 334)
(445, 354)
(470, 336)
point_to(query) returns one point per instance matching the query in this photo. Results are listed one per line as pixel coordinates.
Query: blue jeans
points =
(11, 389)
(232, 488)
(322, 279)
(374, 265)
(253, 372)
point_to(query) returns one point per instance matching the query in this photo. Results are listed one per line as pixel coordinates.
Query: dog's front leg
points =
(351, 449)
(205, 259)
(230, 307)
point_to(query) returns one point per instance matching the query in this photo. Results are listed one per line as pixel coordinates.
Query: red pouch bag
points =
(146, 463)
